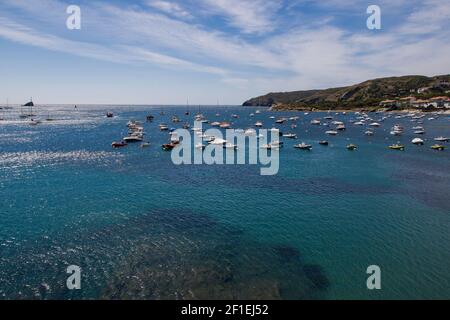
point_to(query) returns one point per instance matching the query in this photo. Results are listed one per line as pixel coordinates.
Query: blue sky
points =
(165, 52)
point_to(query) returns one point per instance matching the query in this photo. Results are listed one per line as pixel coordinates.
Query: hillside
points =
(368, 94)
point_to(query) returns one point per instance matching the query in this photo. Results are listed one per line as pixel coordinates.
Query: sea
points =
(141, 227)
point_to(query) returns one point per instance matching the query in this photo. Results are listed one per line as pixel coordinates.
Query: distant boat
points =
(29, 104)
(418, 142)
(397, 147)
(121, 144)
(109, 115)
(438, 147)
(163, 127)
(441, 139)
(303, 146)
(133, 139)
(323, 143)
(352, 147)
(290, 135)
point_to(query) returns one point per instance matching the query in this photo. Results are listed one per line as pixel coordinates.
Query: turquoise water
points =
(143, 228)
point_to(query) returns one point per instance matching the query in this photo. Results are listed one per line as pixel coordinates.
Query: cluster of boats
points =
(136, 131)
(135, 135)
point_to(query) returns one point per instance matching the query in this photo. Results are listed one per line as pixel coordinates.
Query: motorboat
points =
(417, 142)
(290, 135)
(303, 146)
(258, 124)
(110, 115)
(230, 146)
(280, 121)
(270, 146)
(340, 127)
(324, 143)
(168, 146)
(369, 133)
(145, 145)
(215, 124)
(120, 144)
(218, 141)
(397, 147)
(419, 132)
(352, 147)
(163, 127)
(225, 125)
(375, 124)
(315, 122)
(34, 122)
(331, 132)
(133, 138)
(441, 139)
(438, 147)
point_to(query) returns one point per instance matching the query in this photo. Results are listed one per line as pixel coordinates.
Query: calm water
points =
(141, 227)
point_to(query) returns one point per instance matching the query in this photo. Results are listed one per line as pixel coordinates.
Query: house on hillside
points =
(390, 104)
(423, 90)
(421, 104)
(439, 102)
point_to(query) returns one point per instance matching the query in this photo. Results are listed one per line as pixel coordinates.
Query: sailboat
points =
(29, 104)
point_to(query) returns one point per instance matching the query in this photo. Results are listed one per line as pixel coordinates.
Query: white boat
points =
(258, 124)
(290, 135)
(369, 133)
(218, 141)
(270, 146)
(315, 122)
(359, 123)
(419, 132)
(230, 146)
(340, 127)
(215, 124)
(225, 125)
(135, 138)
(441, 139)
(417, 141)
(303, 146)
(375, 124)
(331, 132)
(34, 122)
(250, 132)
(200, 146)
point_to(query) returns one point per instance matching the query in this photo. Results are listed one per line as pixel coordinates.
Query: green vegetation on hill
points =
(366, 95)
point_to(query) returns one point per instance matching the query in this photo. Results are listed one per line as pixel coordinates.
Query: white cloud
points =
(250, 16)
(171, 8)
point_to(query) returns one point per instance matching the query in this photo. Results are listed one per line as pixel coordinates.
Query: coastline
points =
(347, 110)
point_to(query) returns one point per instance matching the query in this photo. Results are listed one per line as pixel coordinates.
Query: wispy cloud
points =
(170, 8)
(249, 16)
